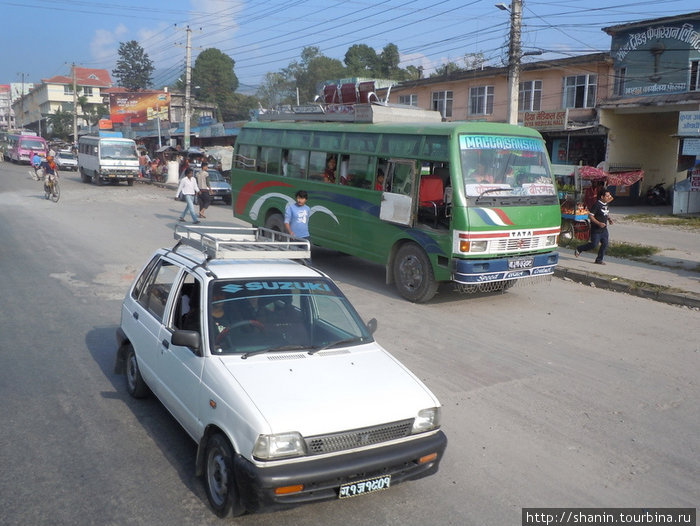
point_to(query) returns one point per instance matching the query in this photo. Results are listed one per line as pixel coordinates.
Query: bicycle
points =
(51, 188)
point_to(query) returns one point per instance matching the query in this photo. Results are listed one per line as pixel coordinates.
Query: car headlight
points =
(427, 420)
(281, 445)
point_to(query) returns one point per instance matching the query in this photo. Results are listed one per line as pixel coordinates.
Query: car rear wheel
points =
(134, 382)
(220, 478)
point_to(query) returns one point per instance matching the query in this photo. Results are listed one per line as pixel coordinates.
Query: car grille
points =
(320, 444)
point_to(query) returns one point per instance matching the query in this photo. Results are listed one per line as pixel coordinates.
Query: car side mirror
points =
(189, 339)
(372, 325)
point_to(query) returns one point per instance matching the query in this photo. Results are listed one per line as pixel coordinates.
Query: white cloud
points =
(105, 43)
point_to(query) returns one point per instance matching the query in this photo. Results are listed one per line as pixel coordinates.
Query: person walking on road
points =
(204, 189)
(600, 219)
(188, 188)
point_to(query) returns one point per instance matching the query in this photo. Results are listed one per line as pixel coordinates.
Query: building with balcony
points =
(60, 93)
(656, 68)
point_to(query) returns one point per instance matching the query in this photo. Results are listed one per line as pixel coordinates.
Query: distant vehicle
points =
(66, 160)
(221, 190)
(107, 159)
(22, 148)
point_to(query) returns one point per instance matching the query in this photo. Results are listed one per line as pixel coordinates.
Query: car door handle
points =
(165, 343)
(135, 314)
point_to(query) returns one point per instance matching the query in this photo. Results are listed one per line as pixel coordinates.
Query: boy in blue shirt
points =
(296, 216)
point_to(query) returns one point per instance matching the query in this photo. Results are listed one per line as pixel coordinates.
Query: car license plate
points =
(520, 263)
(362, 487)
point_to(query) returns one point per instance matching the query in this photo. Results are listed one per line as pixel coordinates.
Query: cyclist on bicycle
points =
(36, 163)
(50, 171)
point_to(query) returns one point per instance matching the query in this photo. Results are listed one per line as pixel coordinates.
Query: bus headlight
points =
(426, 420)
(479, 246)
(280, 445)
(551, 241)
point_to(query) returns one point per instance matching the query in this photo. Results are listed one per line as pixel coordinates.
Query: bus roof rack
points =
(361, 113)
(242, 242)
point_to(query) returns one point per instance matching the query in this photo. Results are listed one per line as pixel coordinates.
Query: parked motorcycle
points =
(656, 195)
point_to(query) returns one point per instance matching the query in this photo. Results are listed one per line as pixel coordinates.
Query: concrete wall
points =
(644, 139)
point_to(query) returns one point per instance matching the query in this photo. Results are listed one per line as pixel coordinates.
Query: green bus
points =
(470, 203)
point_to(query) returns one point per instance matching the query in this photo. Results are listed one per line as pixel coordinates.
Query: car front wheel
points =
(220, 479)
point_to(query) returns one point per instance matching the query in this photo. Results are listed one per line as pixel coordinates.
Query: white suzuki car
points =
(273, 373)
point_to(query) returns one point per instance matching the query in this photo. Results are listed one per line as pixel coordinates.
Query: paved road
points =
(553, 395)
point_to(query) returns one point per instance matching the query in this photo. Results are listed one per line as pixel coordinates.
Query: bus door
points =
(397, 197)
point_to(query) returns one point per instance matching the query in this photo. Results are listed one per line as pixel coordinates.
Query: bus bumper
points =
(472, 271)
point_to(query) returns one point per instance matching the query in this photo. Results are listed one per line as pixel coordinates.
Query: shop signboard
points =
(689, 124)
(546, 120)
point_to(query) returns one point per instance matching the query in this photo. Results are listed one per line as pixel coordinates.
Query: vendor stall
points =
(587, 181)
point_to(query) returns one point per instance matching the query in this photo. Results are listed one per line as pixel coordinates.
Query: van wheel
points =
(220, 478)
(275, 222)
(413, 274)
(96, 180)
(83, 176)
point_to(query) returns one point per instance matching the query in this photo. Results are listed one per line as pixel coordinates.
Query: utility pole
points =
(21, 126)
(75, 106)
(188, 81)
(514, 56)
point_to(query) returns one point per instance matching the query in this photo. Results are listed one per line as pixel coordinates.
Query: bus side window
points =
(297, 164)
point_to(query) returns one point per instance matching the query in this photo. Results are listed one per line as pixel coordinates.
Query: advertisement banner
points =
(138, 107)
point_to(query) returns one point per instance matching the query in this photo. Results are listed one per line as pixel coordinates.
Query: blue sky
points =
(41, 38)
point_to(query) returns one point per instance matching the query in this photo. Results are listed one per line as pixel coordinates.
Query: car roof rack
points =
(242, 242)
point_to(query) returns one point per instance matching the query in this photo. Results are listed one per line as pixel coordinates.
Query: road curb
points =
(643, 290)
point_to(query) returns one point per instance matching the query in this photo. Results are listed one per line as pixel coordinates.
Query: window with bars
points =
(530, 96)
(695, 75)
(620, 81)
(409, 100)
(481, 100)
(580, 91)
(442, 102)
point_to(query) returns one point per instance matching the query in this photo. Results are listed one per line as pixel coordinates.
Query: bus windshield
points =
(504, 166)
(118, 150)
(32, 144)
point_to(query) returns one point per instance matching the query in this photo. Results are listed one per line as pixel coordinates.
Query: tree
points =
(134, 69)
(216, 82)
(276, 89)
(361, 61)
(61, 123)
(389, 63)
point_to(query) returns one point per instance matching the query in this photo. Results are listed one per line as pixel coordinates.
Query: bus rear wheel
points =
(413, 274)
(275, 222)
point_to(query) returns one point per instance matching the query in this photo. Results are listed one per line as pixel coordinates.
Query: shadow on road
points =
(162, 429)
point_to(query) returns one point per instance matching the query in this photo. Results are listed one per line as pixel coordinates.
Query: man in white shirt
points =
(188, 188)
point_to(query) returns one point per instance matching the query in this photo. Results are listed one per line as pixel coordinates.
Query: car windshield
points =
(273, 315)
(215, 175)
(505, 166)
(65, 155)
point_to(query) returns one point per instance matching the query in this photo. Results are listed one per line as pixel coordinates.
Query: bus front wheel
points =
(275, 222)
(413, 274)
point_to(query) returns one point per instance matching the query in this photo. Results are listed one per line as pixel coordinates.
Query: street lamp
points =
(514, 55)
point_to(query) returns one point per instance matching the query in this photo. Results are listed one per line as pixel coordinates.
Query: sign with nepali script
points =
(689, 123)
(543, 120)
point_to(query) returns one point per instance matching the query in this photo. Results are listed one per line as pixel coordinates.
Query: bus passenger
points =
(329, 174)
(379, 185)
